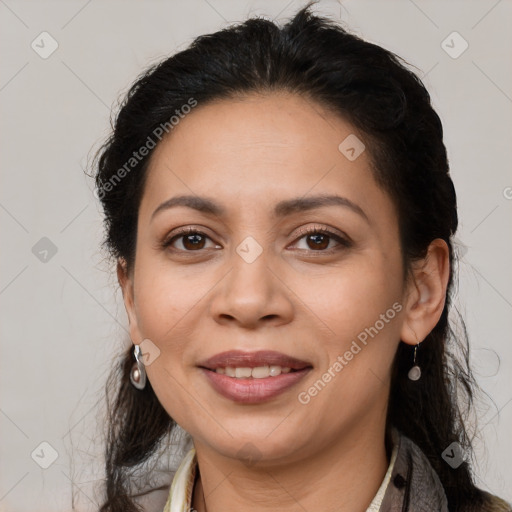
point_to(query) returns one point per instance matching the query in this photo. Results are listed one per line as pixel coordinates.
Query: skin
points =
(311, 303)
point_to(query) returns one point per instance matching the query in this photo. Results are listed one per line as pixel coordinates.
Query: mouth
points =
(257, 372)
(260, 364)
(253, 377)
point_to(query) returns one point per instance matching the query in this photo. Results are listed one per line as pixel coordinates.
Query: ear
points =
(126, 283)
(426, 294)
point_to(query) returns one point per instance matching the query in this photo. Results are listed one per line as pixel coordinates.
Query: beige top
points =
(182, 487)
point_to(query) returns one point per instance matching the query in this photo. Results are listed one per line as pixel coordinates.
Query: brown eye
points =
(318, 240)
(191, 240)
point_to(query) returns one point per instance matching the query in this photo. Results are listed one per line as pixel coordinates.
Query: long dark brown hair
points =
(373, 89)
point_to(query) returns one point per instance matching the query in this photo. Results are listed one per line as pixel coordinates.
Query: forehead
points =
(259, 149)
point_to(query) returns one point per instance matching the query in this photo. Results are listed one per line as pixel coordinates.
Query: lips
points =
(238, 358)
(253, 391)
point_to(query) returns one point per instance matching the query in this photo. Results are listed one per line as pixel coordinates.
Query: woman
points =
(279, 205)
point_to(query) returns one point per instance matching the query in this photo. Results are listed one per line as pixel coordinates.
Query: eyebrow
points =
(281, 209)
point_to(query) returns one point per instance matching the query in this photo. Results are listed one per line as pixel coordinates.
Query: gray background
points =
(63, 318)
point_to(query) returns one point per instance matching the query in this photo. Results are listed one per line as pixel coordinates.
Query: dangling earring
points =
(138, 371)
(415, 371)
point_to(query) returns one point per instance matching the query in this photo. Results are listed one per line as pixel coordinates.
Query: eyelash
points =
(343, 242)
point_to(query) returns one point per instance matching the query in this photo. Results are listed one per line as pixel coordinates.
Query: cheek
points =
(165, 297)
(165, 303)
(349, 299)
(359, 310)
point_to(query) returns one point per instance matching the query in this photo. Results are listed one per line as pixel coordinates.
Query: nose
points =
(251, 295)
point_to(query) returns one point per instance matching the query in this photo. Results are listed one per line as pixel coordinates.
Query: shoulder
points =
(492, 503)
(415, 485)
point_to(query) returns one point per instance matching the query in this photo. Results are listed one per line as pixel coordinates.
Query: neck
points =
(344, 476)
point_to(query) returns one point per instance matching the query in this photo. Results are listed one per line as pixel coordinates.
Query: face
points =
(322, 283)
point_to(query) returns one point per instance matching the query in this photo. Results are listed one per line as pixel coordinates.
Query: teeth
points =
(242, 372)
(260, 372)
